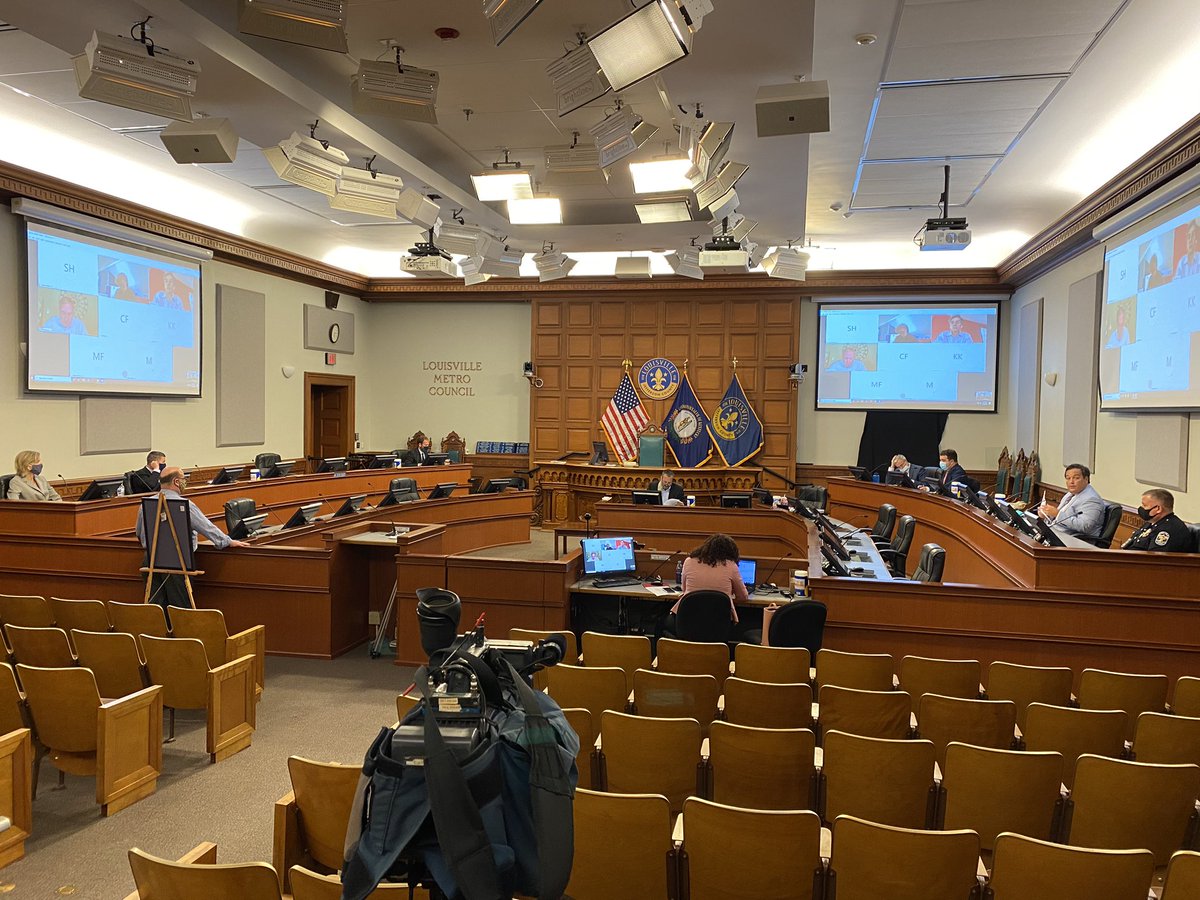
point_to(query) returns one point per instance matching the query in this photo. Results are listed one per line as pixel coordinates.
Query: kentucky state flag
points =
(687, 429)
(736, 430)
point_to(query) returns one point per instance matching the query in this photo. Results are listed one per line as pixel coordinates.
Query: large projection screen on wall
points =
(908, 356)
(1150, 321)
(107, 317)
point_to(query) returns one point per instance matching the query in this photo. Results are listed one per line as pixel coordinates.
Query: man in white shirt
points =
(1081, 510)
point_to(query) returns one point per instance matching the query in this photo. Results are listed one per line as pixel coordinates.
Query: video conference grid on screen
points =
(907, 356)
(1150, 323)
(107, 318)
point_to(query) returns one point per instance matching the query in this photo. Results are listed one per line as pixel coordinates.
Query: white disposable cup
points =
(691, 499)
(255, 474)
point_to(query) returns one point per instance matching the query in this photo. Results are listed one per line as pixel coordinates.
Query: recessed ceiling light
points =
(535, 211)
(865, 39)
(660, 175)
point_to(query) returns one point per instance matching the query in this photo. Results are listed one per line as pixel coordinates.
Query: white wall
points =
(442, 367)
(832, 437)
(1115, 432)
(183, 429)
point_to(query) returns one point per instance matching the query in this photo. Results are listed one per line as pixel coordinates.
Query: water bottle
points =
(800, 583)
(120, 490)
(679, 572)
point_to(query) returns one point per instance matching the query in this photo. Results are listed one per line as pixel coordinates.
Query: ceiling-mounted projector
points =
(723, 255)
(313, 23)
(127, 73)
(944, 233)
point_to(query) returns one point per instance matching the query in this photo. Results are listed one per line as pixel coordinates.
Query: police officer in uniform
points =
(1163, 529)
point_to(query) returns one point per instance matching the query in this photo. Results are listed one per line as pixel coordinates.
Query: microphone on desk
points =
(771, 574)
(662, 562)
(587, 525)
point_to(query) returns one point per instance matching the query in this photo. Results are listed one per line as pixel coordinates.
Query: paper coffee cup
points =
(255, 474)
(691, 499)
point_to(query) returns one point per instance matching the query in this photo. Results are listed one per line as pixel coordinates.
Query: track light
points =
(135, 75)
(756, 251)
(418, 209)
(505, 15)
(506, 264)
(614, 136)
(313, 23)
(468, 240)
(723, 181)
(307, 162)
(660, 175)
(686, 262)
(388, 88)
(647, 40)
(711, 148)
(470, 267)
(725, 206)
(553, 265)
(787, 262)
(665, 209)
(577, 79)
(573, 165)
(366, 191)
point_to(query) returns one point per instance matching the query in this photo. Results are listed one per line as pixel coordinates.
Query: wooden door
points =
(328, 415)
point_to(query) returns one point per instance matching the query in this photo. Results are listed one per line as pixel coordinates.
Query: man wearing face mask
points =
(1163, 529)
(951, 471)
(145, 481)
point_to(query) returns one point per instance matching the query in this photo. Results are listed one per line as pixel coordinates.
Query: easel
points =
(161, 512)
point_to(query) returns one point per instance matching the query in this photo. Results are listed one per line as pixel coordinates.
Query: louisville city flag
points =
(687, 429)
(623, 419)
(736, 430)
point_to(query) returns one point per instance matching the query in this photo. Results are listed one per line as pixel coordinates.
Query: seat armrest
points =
(826, 843)
(251, 642)
(818, 757)
(704, 749)
(286, 850)
(677, 830)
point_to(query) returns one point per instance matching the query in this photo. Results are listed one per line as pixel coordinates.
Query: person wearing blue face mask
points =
(28, 483)
(951, 470)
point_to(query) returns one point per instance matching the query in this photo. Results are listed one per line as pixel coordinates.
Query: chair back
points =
(1183, 876)
(861, 671)
(404, 489)
(1074, 732)
(651, 446)
(906, 527)
(26, 610)
(138, 619)
(774, 665)
(264, 461)
(84, 615)
(1003, 472)
(920, 675)
(1194, 531)
(580, 721)
(885, 522)
(324, 796)
(877, 714)
(704, 616)
(236, 510)
(205, 625)
(594, 688)
(982, 723)
(156, 877)
(762, 768)
(1135, 694)
(993, 791)
(761, 704)
(1186, 699)
(628, 652)
(63, 704)
(309, 885)
(1160, 738)
(900, 791)
(1023, 867)
(641, 755)
(415, 441)
(921, 865)
(662, 696)
(1029, 684)
(1108, 526)
(693, 658)
(47, 648)
(800, 623)
(181, 667)
(114, 660)
(931, 564)
(813, 495)
(715, 834)
(454, 446)
(13, 712)
(4, 480)
(625, 832)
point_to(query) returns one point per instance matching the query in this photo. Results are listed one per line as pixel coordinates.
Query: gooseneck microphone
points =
(662, 562)
(771, 574)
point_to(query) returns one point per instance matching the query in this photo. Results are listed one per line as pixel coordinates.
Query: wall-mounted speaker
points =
(331, 299)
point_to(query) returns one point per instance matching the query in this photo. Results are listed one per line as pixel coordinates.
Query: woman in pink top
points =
(713, 567)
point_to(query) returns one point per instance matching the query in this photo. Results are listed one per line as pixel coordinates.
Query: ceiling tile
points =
(918, 183)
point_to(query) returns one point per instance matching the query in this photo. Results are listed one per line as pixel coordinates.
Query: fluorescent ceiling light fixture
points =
(535, 211)
(660, 175)
(686, 262)
(668, 209)
(737, 226)
(418, 209)
(367, 192)
(132, 75)
(506, 15)
(614, 136)
(577, 79)
(384, 87)
(313, 23)
(726, 179)
(644, 42)
(568, 166)
(553, 265)
(503, 184)
(787, 262)
(305, 161)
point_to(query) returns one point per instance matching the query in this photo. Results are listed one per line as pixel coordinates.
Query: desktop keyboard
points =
(616, 581)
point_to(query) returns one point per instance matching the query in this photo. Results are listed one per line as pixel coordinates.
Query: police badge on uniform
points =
(658, 379)
(1161, 538)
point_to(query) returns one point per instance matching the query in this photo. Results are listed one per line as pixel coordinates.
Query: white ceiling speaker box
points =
(201, 141)
(799, 108)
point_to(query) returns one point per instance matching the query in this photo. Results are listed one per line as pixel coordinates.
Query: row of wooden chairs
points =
(627, 849)
(205, 625)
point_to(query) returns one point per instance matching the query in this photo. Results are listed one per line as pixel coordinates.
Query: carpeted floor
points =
(315, 708)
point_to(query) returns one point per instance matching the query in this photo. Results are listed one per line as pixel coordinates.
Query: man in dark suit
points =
(951, 470)
(145, 480)
(667, 487)
(419, 455)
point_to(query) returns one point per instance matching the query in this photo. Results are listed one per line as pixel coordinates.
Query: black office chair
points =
(403, 490)
(800, 623)
(4, 480)
(813, 496)
(1108, 527)
(704, 616)
(972, 483)
(895, 554)
(931, 564)
(236, 510)
(264, 461)
(885, 524)
(1195, 530)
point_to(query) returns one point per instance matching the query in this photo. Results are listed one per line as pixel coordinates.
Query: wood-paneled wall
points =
(579, 343)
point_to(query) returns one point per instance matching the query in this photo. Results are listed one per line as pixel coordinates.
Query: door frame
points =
(322, 379)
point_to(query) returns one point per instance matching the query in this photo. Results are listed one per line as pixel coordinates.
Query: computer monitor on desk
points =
(228, 475)
(900, 479)
(860, 473)
(350, 506)
(279, 470)
(735, 501)
(495, 485)
(1046, 531)
(436, 459)
(647, 498)
(332, 464)
(602, 556)
(383, 461)
(104, 488)
(247, 526)
(303, 515)
(441, 491)
(599, 454)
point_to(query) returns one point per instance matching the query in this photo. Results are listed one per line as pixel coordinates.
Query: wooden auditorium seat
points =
(639, 755)
(1074, 732)
(16, 793)
(693, 658)
(208, 627)
(623, 847)
(861, 671)
(662, 696)
(81, 615)
(762, 768)
(581, 723)
(44, 647)
(1024, 868)
(138, 619)
(308, 885)
(761, 704)
(1024, 685)
(899, 791)
(311, 818)
(197, 876)
(114, 659)
(778, 665)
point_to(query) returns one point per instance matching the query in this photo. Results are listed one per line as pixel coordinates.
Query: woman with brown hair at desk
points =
(713, 566)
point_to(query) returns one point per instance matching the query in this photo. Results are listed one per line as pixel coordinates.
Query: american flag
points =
(623, 419)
